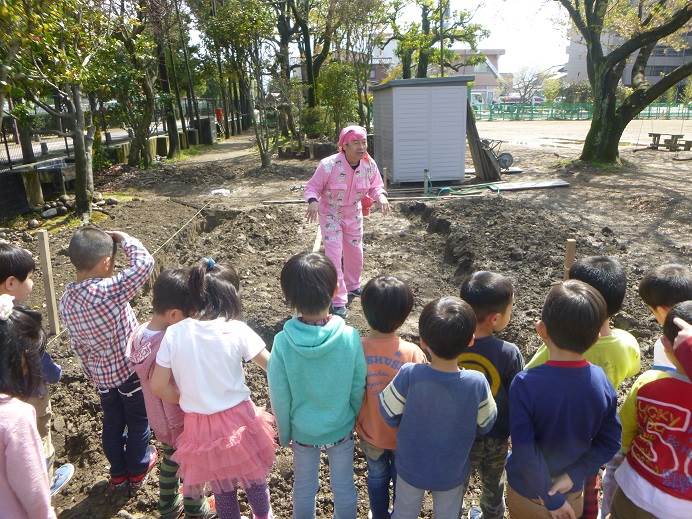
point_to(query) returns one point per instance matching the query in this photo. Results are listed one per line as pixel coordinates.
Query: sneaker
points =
(62, 476)
(356, 292)
(116, 483)
(138, 480)
(475, 513)
(340, 311)
(176, 511)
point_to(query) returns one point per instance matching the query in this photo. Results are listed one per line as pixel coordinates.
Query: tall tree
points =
(639, 25)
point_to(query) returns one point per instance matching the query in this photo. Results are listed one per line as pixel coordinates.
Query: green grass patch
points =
(192, 151)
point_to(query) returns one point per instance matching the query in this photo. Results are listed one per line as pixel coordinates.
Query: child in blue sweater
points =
(563, 414)
(439, 409)
(316, 385)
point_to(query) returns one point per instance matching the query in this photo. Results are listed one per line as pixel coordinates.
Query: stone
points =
(50, 213)
(111, 201)
(59, 423)
(3, 235)
(516, 254)
(64, 199)
(33, 223)
(97, 196)
(607, 231)
(62, 210)
(100, 203)
(28, 237)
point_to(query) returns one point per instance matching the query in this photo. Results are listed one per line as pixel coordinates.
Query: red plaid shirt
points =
(100, 320)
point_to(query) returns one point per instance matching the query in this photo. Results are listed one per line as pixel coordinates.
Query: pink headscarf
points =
(351, 133)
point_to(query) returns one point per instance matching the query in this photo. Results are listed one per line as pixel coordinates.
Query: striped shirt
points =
(439, 414)
(100, 320)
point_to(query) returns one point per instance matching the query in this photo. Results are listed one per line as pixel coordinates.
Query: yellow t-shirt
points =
(617, 354)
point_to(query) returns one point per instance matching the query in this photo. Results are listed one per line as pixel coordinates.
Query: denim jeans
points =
(125, 434)
(409, 499)
(306, 464)
(381, 471)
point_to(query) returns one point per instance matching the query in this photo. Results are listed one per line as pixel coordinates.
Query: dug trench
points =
(430, 245)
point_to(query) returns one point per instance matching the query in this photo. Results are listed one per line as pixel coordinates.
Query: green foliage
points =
(579, 92)
(337, 91)
(670, 95)
(99, 158)
(687, 92)
(551, 89)
(315, 122)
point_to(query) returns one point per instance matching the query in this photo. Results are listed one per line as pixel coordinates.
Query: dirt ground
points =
(642, 214)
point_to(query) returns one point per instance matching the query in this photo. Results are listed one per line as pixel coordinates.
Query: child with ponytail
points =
(227, 442)
(24, 490)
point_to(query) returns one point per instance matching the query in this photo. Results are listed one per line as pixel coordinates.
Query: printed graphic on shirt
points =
(378, 378)
(480, 363)
(657, 449)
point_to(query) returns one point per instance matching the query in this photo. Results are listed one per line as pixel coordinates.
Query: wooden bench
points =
(672, 143)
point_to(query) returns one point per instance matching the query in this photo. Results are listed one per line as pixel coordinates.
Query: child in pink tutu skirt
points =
(226, 441)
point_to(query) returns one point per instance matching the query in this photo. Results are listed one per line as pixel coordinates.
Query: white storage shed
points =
(421, 124)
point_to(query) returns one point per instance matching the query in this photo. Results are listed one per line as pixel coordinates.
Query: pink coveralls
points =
(339, 190)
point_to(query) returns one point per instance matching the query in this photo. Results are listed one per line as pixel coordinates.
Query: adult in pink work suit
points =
(336, 193)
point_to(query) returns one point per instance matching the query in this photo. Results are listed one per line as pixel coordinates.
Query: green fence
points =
(570, 112)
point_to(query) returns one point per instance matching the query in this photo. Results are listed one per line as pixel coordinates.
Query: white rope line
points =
(56, 337)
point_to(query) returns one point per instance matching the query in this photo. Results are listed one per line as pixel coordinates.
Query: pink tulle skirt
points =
(226, 450)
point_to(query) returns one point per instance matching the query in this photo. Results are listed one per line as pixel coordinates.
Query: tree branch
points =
(52, 111)
(640, 99)
(675, 22)
(55, 132)
(573, 10)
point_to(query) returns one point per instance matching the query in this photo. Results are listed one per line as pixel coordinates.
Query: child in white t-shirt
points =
(226, 442)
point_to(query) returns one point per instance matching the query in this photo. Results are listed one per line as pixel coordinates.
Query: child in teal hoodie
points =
(316, 385)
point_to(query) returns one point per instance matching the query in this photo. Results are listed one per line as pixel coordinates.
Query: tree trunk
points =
(424, 52)
(25, 134)
(169, 112)
(192, 99)
(308, 63)
(406, 64)
(139, 146)
(84, 178)
(178, 100)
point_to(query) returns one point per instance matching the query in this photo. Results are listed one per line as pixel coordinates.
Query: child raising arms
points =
(23, 476)
(227, 441)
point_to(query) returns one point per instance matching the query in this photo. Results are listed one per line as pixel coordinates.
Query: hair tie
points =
(6, 306)
(210, 263)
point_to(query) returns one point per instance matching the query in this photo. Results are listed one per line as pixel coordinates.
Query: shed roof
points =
(426, 81)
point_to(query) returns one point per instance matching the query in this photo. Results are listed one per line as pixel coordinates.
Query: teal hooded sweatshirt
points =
(316, 381)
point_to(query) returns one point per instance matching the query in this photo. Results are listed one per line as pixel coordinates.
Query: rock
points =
(64, 199)
(100, 203)
(3, 235)
(33, 224)
(49, 213)
(70, 204)
(59, 423)
(111, 201)
(54, 204)
(28, 237)
(516, 254)
(62, 210)
(97, 196)
(607, 231)
(46, 206)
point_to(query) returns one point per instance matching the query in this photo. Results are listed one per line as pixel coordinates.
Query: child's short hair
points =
(215, 290)
(606, 275)
(666, 285)
(387, 301)
(15, 262)
(447, 325)
(573, 314)
(171, 292)
(308, 281)
(88, 246)
(487, 292)
(683, 311)
(22, 340)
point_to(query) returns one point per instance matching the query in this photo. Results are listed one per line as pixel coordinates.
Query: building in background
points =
(663, 59)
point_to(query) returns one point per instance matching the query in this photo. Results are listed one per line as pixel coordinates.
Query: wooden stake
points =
(318, 240)
(48, 284)
(570, 255)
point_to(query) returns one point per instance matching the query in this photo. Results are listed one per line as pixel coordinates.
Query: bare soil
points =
(640, 213)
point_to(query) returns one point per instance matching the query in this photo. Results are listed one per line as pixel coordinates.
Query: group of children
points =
(425, 417)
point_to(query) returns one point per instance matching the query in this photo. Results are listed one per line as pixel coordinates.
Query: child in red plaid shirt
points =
(96, 311)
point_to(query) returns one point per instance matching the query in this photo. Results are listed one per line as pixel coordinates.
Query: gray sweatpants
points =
(407, 505)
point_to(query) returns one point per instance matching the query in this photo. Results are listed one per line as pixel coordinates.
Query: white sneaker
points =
(475, 513)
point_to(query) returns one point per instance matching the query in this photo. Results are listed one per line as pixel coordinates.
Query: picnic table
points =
(672, 144)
